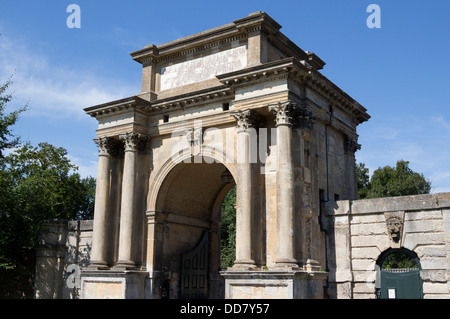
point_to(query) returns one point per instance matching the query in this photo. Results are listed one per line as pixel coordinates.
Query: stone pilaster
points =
(132, 143)
(257, 46)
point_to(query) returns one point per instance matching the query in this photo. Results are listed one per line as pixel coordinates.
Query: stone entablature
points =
(360, 231)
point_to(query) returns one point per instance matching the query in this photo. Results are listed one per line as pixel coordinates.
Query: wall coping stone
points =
(388, 204)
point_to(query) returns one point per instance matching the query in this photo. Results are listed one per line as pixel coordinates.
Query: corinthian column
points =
(285, 113)
(98, 254)
(244, 190)
(131, 143)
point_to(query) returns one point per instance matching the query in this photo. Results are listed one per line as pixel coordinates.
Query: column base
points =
(243, 264)
(98, 265)
(287, 263)
(125, 265)
(311, 265)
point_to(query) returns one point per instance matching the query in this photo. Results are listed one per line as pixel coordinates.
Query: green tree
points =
(228, 232)
(362, 180)
(399, 260)
(7, 139)
(388, 181)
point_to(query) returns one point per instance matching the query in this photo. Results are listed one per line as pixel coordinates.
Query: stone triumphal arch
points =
(237, 105)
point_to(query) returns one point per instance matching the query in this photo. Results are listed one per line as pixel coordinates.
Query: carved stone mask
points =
(394, 227)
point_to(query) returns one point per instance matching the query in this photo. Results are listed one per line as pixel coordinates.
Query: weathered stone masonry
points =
(294, 239)
(359, 232)
(64, 250)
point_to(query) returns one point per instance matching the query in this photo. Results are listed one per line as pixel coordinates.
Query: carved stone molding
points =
(395, 226)
(194, 136)
(133, 142)
(155, 217)
(247, 118)
(198, 49)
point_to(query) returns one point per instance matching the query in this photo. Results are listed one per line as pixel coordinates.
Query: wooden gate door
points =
(401, 283)
(194, 271)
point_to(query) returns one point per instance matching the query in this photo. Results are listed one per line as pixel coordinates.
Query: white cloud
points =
(87, 166)
(440, 120)
(421, 140)
(423, 143)
(439, 181)
(56, 91)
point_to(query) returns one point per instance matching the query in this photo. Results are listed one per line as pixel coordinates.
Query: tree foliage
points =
(7, 139)
(363, 180)
(228, 232)
(398, 260)
(388, 181)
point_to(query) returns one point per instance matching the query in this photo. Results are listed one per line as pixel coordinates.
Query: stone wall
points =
(50, 256)
(358, 233)
(64, 250)
(79, 244)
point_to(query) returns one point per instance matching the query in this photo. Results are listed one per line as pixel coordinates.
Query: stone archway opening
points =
(399, 259)
(191, 198)
(399, 275)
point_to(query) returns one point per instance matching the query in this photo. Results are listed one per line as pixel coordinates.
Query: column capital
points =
(351, 144)
(133, 141)
(290, 114)
(247, 118)
(106, 145)
(284, 112)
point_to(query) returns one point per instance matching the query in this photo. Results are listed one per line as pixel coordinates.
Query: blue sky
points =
(399, 72)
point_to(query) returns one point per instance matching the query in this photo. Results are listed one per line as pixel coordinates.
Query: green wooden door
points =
(401, 284)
